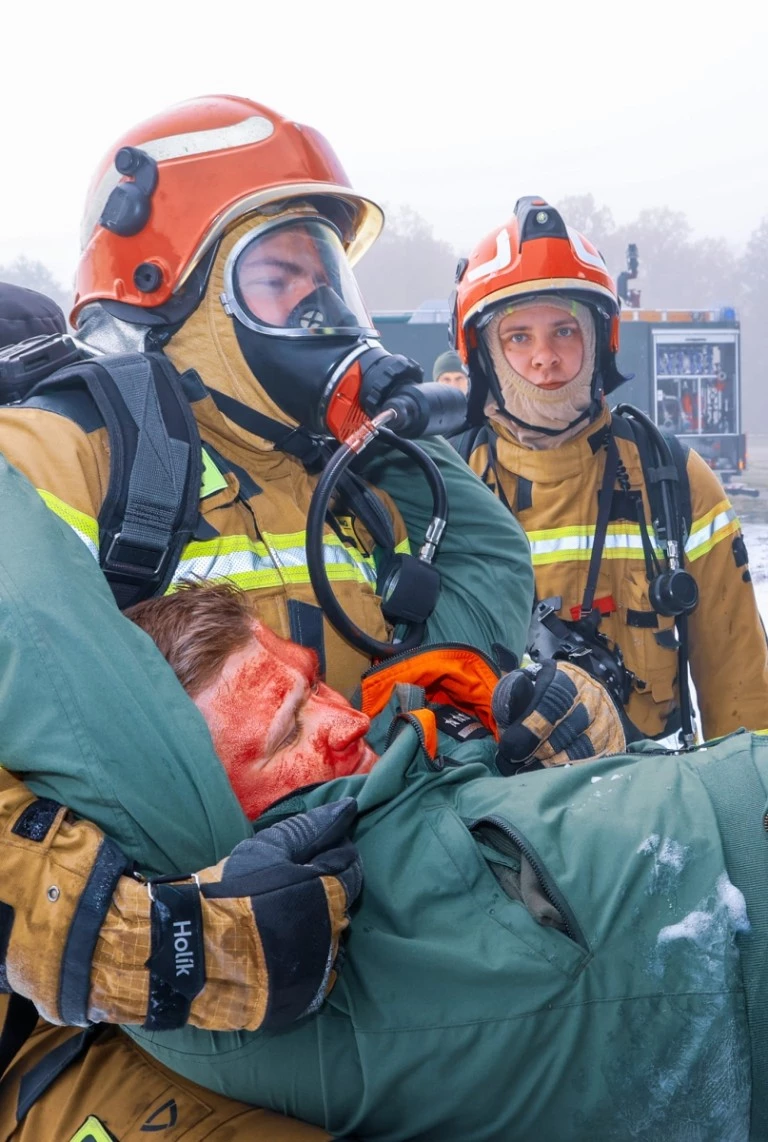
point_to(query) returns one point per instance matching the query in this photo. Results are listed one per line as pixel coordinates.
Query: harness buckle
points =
(135, 559)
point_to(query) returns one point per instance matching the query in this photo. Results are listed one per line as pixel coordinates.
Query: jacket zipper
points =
(552, 893)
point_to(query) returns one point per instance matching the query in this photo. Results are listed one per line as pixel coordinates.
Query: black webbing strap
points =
(151, 505)
(20, 1020)
(307, 629)
(157, 479)
(296, 442)
(604, 499)
(41, 1077)
(313, 452)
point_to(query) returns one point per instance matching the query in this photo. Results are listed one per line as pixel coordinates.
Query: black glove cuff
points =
(297, 973)
(177, 963)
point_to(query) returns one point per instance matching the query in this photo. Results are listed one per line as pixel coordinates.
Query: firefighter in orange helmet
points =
(218, 239)
(639, 560)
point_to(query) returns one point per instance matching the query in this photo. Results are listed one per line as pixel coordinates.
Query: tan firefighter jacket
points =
(252, 536)
(254, 504)
(554, 494)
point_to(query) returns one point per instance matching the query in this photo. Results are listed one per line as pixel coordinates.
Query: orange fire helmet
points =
(169, 189)
(534, 253)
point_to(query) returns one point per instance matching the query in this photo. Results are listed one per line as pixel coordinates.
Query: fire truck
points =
(684, 370)
(684, 367)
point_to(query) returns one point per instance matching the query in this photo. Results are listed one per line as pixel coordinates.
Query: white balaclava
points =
(556, 409)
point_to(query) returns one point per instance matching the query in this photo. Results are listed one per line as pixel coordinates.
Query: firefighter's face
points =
(457, 380)
(543, 344)
(278, 271)
(276, 727)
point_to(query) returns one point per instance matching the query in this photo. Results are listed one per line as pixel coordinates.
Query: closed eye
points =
(290, 738)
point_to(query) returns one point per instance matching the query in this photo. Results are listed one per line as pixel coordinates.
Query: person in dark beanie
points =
(449, 369)
(26, 313)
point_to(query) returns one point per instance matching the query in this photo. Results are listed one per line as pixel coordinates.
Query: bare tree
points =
(407, 265)
(35, 275)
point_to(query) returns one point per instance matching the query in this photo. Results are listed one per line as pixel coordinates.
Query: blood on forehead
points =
(254, 703)
(289, 653)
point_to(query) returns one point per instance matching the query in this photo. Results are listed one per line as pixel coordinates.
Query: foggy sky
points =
(456, 108)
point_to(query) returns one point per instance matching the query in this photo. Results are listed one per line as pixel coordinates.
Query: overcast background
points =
(454, 108)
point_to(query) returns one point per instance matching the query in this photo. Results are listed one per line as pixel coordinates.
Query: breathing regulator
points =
(382, 398)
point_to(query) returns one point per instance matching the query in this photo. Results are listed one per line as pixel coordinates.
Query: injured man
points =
(571, 953)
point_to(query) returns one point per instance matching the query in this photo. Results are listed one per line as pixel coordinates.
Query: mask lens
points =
(293, 277)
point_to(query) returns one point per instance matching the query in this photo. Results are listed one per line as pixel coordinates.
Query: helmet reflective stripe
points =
(84, 526)
(503, 258)
(591, 259)
(251, 130)
(706, 532)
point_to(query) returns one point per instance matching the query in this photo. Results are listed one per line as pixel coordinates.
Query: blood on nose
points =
(346, 726)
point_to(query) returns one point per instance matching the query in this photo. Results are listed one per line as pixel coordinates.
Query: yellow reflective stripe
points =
(281, 559)
(579, 530)
(575, 543)
(704, 521)
(92, 1131)
(403, 547)
(289, 551)
(84, 526)
(212, 480)
(706, 532)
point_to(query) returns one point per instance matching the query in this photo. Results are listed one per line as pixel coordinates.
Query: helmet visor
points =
(291, 278)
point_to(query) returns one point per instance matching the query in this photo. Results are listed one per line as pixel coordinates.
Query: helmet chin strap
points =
(590, 413)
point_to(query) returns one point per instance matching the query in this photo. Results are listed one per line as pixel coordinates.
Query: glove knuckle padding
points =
(570, 717)
(593, 728)
(282, 893)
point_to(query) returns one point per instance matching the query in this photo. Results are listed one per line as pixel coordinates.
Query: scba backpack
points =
(150, 510)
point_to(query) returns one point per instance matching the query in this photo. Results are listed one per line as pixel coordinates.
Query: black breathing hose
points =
(665, 459)
(428, 467)
(321, 498)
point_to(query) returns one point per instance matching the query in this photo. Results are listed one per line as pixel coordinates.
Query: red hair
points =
(196, 629)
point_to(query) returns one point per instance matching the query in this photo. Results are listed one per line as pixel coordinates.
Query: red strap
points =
(606, 606)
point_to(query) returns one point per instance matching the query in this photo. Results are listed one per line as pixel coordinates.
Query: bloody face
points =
(543, 344)
(275, 727)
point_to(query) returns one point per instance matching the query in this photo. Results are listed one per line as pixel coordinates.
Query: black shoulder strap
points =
(466, 442)
(151, 506)
(680, 456)
(632, 429)
(20, 1019)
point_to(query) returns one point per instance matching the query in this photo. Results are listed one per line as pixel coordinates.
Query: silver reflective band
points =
(562, 548)
(252, 570)
(704, 533)
(252, 130)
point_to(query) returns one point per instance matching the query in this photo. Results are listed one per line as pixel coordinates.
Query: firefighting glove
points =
(246, 944)
(554, 713)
